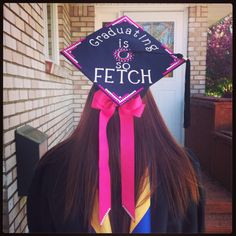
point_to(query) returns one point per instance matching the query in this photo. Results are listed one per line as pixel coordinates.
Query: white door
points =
(168, 28)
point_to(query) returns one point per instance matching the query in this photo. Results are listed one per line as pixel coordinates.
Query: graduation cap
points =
(123, 61)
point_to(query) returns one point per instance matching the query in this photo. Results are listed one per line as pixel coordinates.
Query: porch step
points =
(218, 223)
(218, 210)
(216, 207)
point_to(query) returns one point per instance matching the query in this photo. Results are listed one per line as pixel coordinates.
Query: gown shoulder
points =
(194, 219)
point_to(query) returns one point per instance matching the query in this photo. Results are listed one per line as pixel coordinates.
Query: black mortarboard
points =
(123, 60)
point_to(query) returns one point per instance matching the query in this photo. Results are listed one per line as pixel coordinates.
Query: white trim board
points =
(54, 33)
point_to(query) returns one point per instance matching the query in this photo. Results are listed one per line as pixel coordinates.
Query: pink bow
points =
(107, 107)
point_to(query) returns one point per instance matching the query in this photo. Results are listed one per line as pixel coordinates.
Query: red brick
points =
(204, 24)
(80, 10)
(85, 11)
(194, 24)
(23, 224)
(87, 29)
(90, 24)
(204, 14)
(78, 34)
(201, 19)
(25, 38)
(16, 33)
(20, 47)
(9, 15)
(24, 15)
(75, 12)
(15, 8)
(60, 9)
(7, 54)
(91, 13)
(6, 26)
(198, 10)
(20, 23)
(78, 23)
(14, 120)
(28, 30)
(9, 41)
(35, 35)
(204, 9)
(24, 117)
(86, 18)
(70, 10)
(27, 8)
(31, 22)
(34, 13)
(91, 8)
(17, 58)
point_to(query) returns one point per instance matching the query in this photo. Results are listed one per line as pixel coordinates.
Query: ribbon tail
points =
(127, 163)
(104, 171)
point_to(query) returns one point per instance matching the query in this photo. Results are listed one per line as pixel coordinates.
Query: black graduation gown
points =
(46, 197)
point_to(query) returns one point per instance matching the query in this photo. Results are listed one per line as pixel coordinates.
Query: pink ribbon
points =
(107, 107)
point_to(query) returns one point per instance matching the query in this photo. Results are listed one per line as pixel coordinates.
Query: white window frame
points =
(54, 33)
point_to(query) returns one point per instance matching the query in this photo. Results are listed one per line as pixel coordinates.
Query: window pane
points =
(147, 27)
(49, 21)
(163, 32)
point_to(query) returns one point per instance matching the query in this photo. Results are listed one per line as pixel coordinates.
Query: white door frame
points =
(107, 12)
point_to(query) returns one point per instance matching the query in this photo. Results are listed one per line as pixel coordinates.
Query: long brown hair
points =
(155, 148)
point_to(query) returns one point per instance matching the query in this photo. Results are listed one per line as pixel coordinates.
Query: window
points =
(163, 32)
(51, 43)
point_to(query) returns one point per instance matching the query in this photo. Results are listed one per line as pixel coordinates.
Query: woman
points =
(168, 191)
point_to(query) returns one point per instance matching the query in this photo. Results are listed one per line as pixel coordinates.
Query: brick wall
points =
(31, 96)
(52, 102)
(82, 24)
(197, 45)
